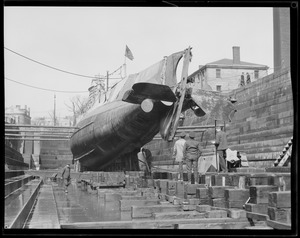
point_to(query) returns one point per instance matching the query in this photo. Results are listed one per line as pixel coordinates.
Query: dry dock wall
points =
(261, 127)
(55, 154)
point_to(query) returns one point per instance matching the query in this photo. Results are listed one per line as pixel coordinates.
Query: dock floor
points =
(54, 206)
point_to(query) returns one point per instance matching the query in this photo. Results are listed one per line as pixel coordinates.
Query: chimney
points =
(236, 55)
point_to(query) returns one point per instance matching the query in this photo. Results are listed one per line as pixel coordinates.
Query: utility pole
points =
(54, 116)
(107, 81)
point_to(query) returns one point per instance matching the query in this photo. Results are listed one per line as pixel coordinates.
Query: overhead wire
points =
(64, 71)
(45, 89)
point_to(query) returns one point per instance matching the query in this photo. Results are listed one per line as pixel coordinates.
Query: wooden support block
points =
(147, 211)
(201, 193)
(190, 189)
(280, 199)
(179, 215)
(157, 183)
(171, 185)
(161, 196)
(160, 224)
(256, 227)
(204, 201)
(213, 226)
(232, 194)
(194, 201)
(217, 191)
(279, 214)
(234, 204)
(189, 207)
(222, 180)
(236, 213)
(216, 214)
(180, 189)
(133, 197)
(176, 201)
(203, 208)
(163, 186)
(257, 216)
(260, 193)
(218, 202)
(283, 181)
(108, 197)
(257, 208)
(125, 205)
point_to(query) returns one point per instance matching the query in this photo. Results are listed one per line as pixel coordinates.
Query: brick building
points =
(224, 75)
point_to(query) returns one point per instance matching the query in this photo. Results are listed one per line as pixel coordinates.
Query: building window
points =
(256, 74)
(218, 88)
(218, 73)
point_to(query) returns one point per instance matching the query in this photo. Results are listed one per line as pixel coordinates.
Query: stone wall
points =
(54, 154)
(261, 127)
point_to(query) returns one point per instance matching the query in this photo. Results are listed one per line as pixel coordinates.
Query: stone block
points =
(280, 199)
(260, 193)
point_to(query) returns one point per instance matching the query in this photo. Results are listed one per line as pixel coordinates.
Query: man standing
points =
(248, 78)
(221, 146)
(191, 153)
(145, 160)
(148, 155)
(178, 154)
(66, 176)
(242, 82)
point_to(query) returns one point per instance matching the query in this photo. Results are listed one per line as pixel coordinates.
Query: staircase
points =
(285, 156)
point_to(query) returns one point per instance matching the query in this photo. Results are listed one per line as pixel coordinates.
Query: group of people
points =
(248, 79)
(188, 152)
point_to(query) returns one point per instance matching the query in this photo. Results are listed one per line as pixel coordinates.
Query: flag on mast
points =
(128, 53)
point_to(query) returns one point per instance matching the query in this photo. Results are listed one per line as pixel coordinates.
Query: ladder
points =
(285, 155)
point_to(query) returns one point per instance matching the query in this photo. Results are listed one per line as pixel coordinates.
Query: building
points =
(18, 115)
(225, 75)
(48, 121)
(281, 31)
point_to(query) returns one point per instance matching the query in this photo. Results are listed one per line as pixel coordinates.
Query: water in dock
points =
(75, 206)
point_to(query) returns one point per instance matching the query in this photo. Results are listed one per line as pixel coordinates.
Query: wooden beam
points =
(278, 225)
(146, 224)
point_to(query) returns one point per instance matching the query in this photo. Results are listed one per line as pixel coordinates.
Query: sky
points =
(79, 43)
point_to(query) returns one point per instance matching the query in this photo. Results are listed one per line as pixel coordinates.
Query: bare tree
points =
(78, 106)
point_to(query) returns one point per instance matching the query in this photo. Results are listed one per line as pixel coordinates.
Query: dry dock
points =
(245, 200)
